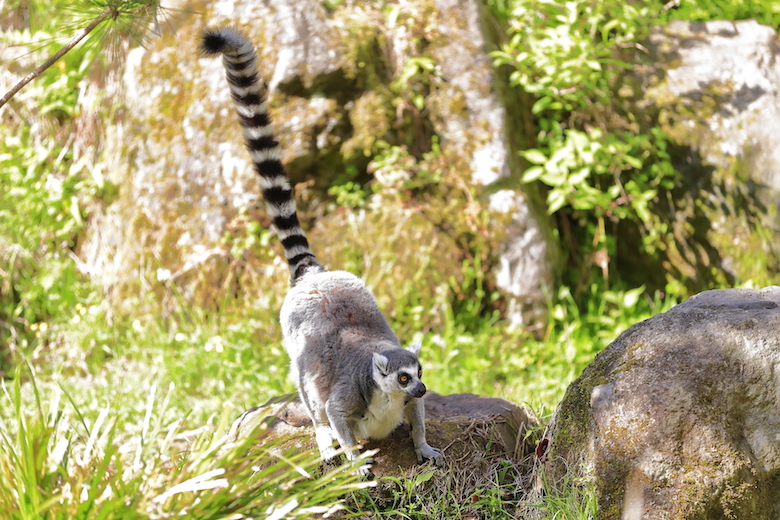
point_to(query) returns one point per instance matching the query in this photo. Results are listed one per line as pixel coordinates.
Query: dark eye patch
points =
(404, 378)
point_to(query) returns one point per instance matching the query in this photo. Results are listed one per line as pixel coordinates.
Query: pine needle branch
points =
(108, 12)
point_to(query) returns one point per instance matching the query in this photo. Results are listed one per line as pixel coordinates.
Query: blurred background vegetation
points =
(601, 168)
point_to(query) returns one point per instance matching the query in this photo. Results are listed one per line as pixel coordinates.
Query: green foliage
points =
(572, 499)
(564, 52)
(47, 168)
(92, 435)
(579, 160)
(110, 20)
(605, 163)
(492, 360)
(47, 189)
(56, 463)
(600, 164)
(176, 381)
(766, 12)
(349, 194)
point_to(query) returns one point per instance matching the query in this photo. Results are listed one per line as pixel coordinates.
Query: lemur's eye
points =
(419, 373)
(403, 379)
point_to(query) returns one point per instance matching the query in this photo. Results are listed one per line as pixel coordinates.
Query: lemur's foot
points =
(426, 451)
(365, 469)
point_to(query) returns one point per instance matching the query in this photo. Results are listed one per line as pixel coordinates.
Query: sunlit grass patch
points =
(56, 462)
(494, 360)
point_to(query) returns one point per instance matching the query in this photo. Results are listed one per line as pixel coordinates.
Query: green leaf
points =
(617, 63)
(534, 156)
(531, 174)
(579, 176)
(423, 477)
(642, 211)
(425, 63)
(632, 297)
(555, 176)
(556, 199)
(579, 139)
(633, 161)
(540, 105)
(608, 27)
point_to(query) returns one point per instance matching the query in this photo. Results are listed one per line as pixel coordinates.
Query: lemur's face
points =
(406, 379)
(399, 371)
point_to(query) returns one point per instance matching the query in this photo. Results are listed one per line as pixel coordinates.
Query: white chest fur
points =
(384, 414)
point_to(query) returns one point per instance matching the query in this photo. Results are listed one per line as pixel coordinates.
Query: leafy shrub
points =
(765, 12)
(47, 186)
(601, 162)
(606, 164)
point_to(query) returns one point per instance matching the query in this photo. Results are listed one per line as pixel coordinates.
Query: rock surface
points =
(528, 253)
(679, 418)
(713, 87)
(336, 75)
(727, 75)
(472, 431)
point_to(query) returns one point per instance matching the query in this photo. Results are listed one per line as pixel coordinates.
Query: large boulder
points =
(713, 88)
(719, 93)
(343, 78)
(679, 418)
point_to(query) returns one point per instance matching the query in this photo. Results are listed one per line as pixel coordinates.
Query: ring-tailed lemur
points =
(352, 375)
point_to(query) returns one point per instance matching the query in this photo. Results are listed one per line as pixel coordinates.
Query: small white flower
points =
(214, 343)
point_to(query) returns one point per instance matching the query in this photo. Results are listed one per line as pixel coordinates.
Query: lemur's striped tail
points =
(240, 59)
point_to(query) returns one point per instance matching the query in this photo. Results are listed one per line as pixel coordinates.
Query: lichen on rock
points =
(676, 418)
(712, 89)
(352, 85)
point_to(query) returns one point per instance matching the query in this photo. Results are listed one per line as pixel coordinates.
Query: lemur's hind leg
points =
(323, 435)
(346, 439)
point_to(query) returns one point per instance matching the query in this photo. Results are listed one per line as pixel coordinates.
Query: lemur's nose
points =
(418, 390)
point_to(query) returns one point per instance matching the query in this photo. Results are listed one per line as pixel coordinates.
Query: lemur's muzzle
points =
(417, 390)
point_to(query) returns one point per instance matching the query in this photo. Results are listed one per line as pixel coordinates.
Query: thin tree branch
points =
(80, 35)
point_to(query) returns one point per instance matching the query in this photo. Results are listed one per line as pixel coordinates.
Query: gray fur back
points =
(332, 326)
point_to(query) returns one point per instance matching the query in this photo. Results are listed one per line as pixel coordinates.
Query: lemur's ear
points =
(380, 362)
(415, 347)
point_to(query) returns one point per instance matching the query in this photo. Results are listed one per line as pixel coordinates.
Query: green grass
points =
(58, 460)
(110, 417)
(111, 410)
(119, 413)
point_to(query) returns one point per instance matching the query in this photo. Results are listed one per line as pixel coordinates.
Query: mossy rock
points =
(478, 436)
(711, 88)
(678, 418)
(183, 228)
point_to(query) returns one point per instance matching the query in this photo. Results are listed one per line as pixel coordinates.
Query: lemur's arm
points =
(415, 414)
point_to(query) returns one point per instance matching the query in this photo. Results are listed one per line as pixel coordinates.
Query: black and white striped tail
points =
(240, 59)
